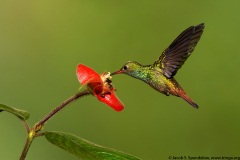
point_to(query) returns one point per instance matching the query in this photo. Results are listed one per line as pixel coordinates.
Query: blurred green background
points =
(41, 43)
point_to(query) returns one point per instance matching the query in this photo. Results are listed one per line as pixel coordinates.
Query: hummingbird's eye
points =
(125, 67)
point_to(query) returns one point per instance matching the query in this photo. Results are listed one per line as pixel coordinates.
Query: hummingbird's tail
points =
(184, 96)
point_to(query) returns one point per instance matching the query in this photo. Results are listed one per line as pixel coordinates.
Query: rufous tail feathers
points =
(184, 96)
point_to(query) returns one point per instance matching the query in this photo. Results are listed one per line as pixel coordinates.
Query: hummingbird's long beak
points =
(116, 72)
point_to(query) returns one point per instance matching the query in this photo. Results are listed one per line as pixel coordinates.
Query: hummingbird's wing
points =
(177, 53)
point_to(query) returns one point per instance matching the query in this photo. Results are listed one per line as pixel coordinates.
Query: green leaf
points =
(83, 149)
(23, 115)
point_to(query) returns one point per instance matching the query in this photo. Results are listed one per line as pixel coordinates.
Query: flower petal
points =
(100, 86)
(95, 87)
(111, 100)
(86, 75)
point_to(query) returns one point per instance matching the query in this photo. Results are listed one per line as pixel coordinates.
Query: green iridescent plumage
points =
(160, 75)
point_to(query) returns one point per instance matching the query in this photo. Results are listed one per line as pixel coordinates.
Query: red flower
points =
(100, 86)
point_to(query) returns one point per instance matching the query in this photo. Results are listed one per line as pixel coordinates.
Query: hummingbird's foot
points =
(167, 92)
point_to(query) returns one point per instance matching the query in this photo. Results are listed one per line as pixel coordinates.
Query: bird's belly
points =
(160, 84)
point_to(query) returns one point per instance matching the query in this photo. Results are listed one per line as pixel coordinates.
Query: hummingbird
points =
(160, 74)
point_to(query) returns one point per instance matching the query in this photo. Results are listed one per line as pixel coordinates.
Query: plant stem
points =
(61, 106)
(25, 150)
(27, 144)
(38, 126)
(26, 126)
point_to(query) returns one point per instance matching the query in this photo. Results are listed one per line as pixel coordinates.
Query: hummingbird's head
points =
(130, 68)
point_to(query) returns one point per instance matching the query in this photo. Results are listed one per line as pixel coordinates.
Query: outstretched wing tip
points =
(179, 50)
(201, 24)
